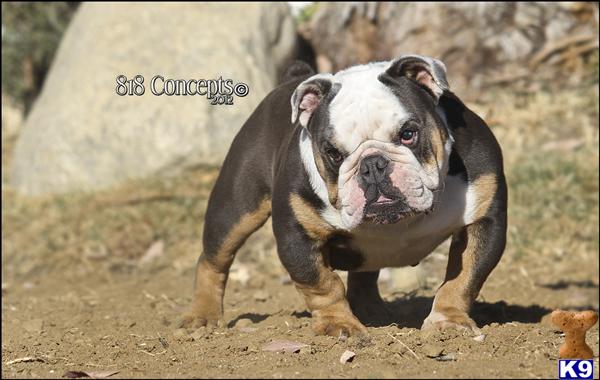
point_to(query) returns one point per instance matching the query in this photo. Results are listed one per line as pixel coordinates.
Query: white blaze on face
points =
(365, 115)
(407, 175)
(364, 108)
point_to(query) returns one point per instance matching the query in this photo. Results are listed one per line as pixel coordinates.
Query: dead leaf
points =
(347, 357)
(156, 250)
(91, 374)
(288, 346)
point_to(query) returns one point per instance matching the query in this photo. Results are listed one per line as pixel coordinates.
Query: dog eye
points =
(334, 155)
(408, 136)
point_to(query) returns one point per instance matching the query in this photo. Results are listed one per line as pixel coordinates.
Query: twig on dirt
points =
(405, 346)
(99, 365)
(148, 295)
(53, 359)
(517, 338)
(171, 303)
(25, 360)
(151, 354)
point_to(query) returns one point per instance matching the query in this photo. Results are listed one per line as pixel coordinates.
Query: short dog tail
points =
(296, 70)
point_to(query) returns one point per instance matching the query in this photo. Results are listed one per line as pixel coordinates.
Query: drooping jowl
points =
(406, 175)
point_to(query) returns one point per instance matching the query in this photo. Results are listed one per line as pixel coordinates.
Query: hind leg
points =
(238, 206)
(214, 263)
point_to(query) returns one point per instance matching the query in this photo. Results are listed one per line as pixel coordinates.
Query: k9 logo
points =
(575, 369)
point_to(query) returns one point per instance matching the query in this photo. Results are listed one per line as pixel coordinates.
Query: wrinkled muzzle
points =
(382, 183)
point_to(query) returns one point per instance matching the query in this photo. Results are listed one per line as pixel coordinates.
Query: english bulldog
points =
(371, 167)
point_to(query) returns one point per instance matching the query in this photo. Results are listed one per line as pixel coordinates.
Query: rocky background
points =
(104, 196)
(482, 44)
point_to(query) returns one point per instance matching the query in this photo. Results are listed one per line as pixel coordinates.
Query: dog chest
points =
(409, 241)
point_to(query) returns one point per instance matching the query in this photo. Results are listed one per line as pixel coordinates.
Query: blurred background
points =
(94, 184)
(529, 69)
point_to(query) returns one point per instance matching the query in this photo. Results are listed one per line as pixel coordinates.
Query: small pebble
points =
(432, 351)
(261, 295)
(347, 357)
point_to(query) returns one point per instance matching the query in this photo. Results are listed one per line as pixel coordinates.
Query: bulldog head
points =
(379, 144)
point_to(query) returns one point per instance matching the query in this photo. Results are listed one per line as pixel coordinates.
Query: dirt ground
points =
(97, 282)
(125, 323)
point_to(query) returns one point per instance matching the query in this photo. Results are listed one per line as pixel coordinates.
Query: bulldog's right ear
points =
(308, 95)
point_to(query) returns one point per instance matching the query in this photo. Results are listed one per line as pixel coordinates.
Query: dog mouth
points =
(386, 208)
(387, 205)
(383, 200)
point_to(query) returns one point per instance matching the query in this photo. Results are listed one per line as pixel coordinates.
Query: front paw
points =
(450, 318)
(203, 313)
(338, 324)
(191, 320)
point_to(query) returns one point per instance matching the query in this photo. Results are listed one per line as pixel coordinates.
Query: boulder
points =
(80, 135)
(12, 121)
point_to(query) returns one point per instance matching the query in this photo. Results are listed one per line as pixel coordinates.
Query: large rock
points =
(81, 136)
(12, 121)
(481, 43)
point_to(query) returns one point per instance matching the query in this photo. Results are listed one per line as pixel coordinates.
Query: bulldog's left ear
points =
(428, 72)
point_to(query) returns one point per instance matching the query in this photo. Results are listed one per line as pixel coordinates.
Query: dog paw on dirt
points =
(338, 325)
(200, 316)
(451, 318)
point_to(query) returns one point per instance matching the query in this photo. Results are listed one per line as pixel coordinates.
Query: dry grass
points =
(119, 224)
(550, 145)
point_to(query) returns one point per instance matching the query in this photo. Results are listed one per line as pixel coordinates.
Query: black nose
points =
(372, 168)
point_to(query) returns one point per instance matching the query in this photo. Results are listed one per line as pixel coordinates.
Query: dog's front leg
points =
(300, 234)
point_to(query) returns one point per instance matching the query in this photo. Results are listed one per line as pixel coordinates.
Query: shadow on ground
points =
(411, 311)
(255, 318)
